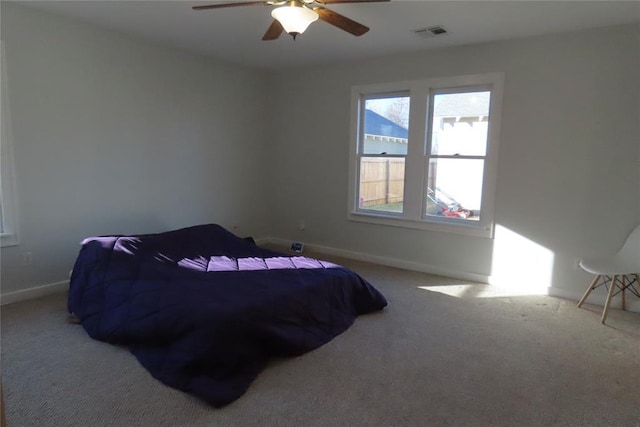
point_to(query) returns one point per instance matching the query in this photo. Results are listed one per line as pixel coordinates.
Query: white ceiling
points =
(234, 34)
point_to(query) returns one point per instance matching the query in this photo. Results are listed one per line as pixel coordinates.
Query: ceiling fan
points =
(294, 16)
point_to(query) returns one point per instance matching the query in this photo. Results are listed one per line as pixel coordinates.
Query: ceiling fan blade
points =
(274, 31)
(350, 1)
(340, 21)
(221, 5)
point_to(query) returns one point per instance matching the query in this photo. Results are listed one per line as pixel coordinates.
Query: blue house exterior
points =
(381, 135)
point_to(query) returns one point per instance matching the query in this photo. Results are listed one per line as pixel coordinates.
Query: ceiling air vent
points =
(434, 31)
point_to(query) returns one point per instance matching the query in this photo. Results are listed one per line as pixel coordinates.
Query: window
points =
(8, 227)
(384, 150)
(424, 153)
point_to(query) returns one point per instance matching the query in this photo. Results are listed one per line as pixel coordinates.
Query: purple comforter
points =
(203, 310)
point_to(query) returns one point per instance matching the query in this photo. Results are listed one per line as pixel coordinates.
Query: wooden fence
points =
(381, 181)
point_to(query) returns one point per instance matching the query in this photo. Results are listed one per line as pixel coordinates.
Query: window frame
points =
(8, 216)
(361, 149)
(419, 153)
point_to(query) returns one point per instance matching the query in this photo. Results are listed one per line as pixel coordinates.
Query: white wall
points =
(567, 181)
(114, 135)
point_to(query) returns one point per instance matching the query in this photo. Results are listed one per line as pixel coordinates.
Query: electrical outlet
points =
(576, 264)
(26, 258)
(297, 247)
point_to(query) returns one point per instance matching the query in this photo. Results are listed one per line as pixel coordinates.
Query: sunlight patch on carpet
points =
(483, 291)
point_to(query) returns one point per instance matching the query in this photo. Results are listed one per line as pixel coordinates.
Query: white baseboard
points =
(633, 304)
(33, 293)
(376, 259)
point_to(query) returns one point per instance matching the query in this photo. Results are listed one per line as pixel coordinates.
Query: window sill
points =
(8, 239)
(455, 228)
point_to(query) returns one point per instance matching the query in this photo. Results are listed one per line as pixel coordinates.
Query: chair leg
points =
(589, 289)
(624, 297)
(606, 305)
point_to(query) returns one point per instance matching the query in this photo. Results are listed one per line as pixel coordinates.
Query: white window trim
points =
(412, 216)
(9, 235)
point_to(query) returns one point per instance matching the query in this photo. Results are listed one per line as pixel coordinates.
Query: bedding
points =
(204, 310)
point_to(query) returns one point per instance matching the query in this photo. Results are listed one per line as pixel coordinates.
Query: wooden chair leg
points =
(3, 418)
(609, 295)
(624, 287)
(589, 289)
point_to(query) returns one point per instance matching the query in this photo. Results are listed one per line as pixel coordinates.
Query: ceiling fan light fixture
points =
(294, 19)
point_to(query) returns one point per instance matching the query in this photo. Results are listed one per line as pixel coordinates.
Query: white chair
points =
(617, 273)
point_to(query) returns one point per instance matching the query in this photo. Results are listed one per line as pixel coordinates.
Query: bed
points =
(204, 310)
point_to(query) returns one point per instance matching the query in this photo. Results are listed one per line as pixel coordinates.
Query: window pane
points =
(386, 125)
(460, 123)
(382, 184)
(454, 188)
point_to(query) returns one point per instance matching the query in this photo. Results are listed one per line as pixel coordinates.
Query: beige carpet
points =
(429, 359)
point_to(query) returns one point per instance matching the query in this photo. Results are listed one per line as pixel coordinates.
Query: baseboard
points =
(33, 293)
(376, 259)
(633, 304)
